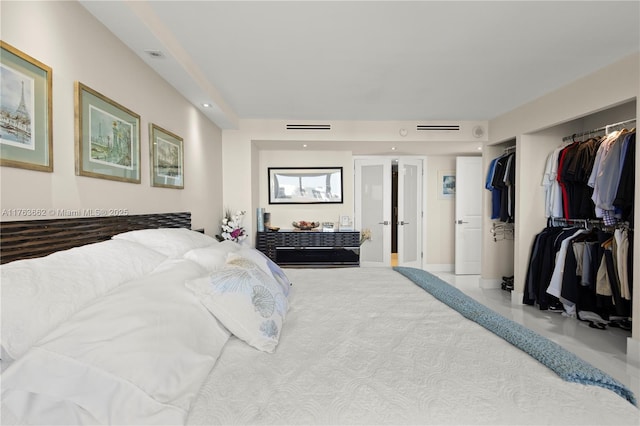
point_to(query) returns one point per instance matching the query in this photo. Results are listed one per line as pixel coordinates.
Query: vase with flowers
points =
(232, 228)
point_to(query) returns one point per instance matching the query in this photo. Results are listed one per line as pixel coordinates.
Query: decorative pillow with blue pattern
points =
(266, 264)
(246, 300)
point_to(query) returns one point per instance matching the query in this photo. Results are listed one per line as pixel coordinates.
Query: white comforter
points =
(137, 355)
(358, 346)
(367, 346)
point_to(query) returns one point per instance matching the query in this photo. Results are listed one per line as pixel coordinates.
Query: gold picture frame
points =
(107, 137)
(166, 151)
(26, 136)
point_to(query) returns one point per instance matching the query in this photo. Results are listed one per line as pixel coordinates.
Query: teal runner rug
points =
(564, 363)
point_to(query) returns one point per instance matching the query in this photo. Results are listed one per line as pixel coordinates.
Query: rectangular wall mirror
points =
(305, 185)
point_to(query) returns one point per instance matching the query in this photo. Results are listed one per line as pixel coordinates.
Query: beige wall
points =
(607, 96)
(440, 217)
(64, 36)
(248, 151)
(283, 215)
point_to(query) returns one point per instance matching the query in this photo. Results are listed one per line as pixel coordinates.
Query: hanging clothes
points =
(556, 283)
(592, 179)
(575, 175)
(501, 182)
(575, 269)
(624, 199)
(553, 193)
(495, 192)
(607, 173)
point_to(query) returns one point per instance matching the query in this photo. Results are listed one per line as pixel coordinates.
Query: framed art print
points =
(167, 158)
(26, 138)
(107, 137)
(446, 185)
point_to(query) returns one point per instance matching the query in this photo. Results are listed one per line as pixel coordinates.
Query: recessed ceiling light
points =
(206, 105)
(304, 146)
(157, 54)
(393, 148)
(480, 148)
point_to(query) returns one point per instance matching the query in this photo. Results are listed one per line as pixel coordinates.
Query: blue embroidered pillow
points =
(247, 301)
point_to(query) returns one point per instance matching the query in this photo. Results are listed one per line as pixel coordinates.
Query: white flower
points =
(232, 226)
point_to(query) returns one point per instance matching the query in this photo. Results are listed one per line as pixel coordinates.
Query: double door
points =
(374, 210)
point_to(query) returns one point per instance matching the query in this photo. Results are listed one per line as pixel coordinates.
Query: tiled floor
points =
(604, 349)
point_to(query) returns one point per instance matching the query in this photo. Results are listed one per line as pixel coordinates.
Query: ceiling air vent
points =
(438, 127)
(308, 126)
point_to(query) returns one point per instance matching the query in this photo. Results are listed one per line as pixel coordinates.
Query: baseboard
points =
(438, 267)
(516, 298)
(633, 351)
(489, 283)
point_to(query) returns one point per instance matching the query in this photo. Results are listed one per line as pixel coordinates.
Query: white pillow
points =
(247, 301)
(212, 257)
(264, 263)
(38, 294)
(172, 242)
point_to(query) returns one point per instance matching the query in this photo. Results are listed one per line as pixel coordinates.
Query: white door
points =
(373, 210)
(410, 212)
(468, 225)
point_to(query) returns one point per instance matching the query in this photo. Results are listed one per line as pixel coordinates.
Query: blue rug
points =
(564, 363)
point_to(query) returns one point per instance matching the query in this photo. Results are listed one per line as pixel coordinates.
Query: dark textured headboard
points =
(36, 238)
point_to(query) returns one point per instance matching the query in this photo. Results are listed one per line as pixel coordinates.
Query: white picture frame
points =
(446, 184)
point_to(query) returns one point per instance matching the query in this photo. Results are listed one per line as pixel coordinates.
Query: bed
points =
(169, 326)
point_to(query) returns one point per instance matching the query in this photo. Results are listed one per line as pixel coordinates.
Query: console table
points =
(310, 248)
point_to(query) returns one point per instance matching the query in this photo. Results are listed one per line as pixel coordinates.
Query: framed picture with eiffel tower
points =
(107, 137)
(26, 137)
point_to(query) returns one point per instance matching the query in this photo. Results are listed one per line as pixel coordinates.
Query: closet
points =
(501, 183)
(538, 128)
(581, 263)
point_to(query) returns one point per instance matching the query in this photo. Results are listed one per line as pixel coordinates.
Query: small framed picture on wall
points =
(446, 184)
(167, 162)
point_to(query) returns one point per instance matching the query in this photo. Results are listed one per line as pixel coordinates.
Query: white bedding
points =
(367, 346)
(38, 294)
(358, 346)
(135, 356)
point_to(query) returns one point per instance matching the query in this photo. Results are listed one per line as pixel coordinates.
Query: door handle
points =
(402, 222)
(460, 222)
(386, 222)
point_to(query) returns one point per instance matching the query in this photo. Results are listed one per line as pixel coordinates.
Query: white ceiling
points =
(371, 60)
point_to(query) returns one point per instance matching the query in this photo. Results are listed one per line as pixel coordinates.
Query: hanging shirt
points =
(622, 256)
(598, 170)
(624, 200)
(553, 196)
(495, 192)
(609, 173)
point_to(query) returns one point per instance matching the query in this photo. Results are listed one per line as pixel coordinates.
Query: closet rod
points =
(601, 129)
(509, 148)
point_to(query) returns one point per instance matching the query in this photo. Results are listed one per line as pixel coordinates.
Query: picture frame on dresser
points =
(305, 185)
(26, 136)
(166, 150)
(107, 137)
